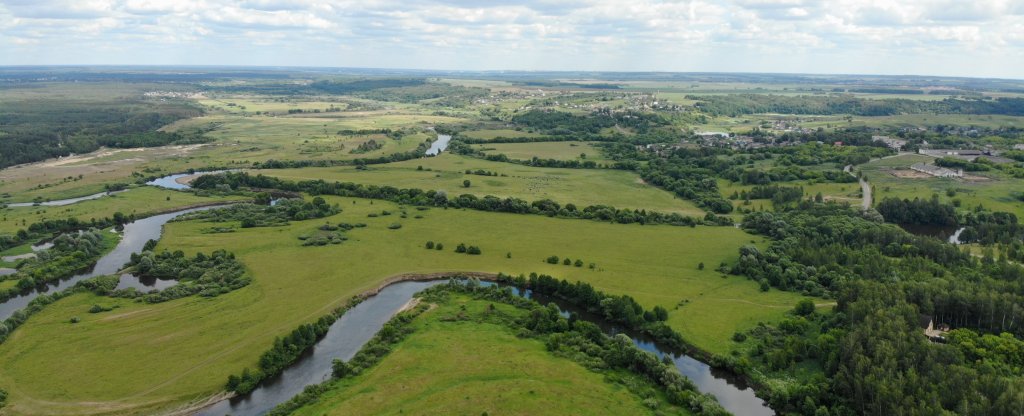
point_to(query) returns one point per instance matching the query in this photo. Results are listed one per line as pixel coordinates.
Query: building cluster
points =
(937, 171)
(891, 142)
(967, 154)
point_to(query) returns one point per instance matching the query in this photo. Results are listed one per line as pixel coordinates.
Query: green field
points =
(465, 367)
(141, 200)
(142, 358)
(991, 190)
(546, 150)
(493, 134)
(830, 191)
(446, 172)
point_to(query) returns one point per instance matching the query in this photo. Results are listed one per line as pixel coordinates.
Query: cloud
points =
(908, 36)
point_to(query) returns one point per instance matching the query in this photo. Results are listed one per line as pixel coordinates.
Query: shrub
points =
(395, 226)
(552, 260)
(430, 245)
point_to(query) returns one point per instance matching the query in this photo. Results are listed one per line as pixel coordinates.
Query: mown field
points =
(142, 358)
(995, 191)
(446, 172)
(464, 367)
(142, 200)
(546, 150)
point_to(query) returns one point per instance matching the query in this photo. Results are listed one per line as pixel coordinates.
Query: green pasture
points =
(452, 366)
(446, 172)
(142, 358)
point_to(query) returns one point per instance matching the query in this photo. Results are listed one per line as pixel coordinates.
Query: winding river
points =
(62, 202)
(348, 335)
(133, 238)
(171, 181)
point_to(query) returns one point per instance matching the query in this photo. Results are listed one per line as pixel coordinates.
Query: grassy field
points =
(546, 150)
(139, 201)
(994, 192)
(841, 192)
(145, 358)
(582, 187)
(492, 134)
(463, 367)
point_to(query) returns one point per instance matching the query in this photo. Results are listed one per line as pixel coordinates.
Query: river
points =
(62, 202)
(171, 181)
(348, 335)
(134, 237)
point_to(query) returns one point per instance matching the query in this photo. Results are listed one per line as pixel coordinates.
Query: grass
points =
(582, 187)
(465, 367)
(139, 201)
(842, 192)
(546, 150)
(995, 194)
(142, 359)
(495, 133)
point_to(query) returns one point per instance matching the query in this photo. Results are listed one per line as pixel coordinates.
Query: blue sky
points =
(981, 38)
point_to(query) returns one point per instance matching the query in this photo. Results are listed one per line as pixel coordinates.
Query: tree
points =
(461, 248)
(700, 266)
(439, 246)
(465, 183)
(552, 260)
(566, 261)
(473, 250)
(804, 307)
(430, 245)
(578, 263)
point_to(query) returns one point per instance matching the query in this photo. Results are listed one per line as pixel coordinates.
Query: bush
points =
(566, 261)
(552, 260)
(430, 245)
(578, 263)
(739, 337)
(461, 248)
(474, 250)
(395, 226)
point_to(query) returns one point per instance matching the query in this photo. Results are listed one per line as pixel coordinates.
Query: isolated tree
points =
(466, 183)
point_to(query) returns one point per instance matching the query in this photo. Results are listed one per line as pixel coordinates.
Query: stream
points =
(358, 325)
(133, 238)
(62, 202)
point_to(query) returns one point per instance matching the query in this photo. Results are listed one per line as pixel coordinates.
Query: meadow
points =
(452, 366)
(995, 191)
(446, 172)
(546, 150)
(141, 201)
(144, 358)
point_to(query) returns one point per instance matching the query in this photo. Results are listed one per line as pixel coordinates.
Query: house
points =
(935, 333)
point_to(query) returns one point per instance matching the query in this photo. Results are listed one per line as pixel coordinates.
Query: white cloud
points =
(680, 35)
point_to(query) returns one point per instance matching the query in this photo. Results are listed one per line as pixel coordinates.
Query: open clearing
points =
(144, 358)
(462, 367)
(996, 193)
(446, 172)
(546, 150)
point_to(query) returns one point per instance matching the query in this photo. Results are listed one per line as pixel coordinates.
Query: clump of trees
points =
(472, 250)
(251, 215)
(206, 275)
(71, 253)
(918, 211)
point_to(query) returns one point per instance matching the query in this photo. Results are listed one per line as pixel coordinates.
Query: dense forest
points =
(37, 129)
(873, 348)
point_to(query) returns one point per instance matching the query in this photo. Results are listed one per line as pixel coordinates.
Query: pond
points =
(439, 145)
(949, 234)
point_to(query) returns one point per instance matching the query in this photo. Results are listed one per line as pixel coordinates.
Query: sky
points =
(976, 38)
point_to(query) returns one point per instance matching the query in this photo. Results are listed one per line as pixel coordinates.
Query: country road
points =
(865, 188)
